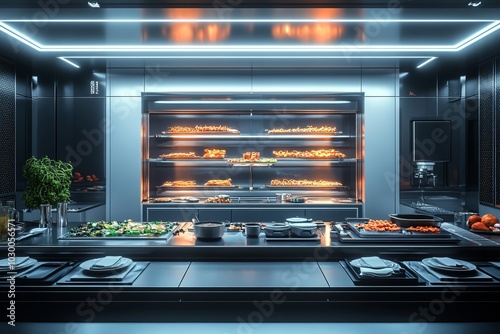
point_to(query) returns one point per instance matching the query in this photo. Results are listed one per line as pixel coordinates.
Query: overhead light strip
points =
(248, 57)
(478, 35)
(20, 37)
(251, 101)
(426, 62)
(69, 62)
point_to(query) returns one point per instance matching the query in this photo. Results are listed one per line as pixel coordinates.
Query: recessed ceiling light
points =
(94, 4)
(474, 3)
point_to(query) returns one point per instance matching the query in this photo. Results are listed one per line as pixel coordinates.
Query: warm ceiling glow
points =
(185, 26)
(316, 32)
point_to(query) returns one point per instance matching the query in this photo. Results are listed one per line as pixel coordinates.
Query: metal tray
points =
(403, 234)
(166, 236)
(406, 220)
(337, 188)
(199, 187)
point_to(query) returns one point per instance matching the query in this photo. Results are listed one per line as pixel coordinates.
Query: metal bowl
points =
(208, 230)
(407, 220)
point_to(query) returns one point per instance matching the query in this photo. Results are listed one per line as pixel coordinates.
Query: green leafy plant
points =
(47, 182)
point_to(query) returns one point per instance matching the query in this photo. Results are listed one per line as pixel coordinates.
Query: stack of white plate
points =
(106, 264)
(449, 265)
(375, 266)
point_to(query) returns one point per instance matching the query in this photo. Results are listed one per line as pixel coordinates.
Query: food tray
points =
(399, 234)
(252, 164)
(406, 220)
(67, 236)
(303, 133)
(337, 188)
(199, 187)
(170, 134)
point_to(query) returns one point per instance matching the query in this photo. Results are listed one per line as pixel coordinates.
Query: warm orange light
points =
(319, 32)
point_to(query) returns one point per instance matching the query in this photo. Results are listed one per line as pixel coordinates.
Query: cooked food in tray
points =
(179, 155)
(201, 129)
(219, 183)
(378, 226)
(127, 228)
(219, 199)
(261, 160)
(308, 129)
(251, 157)
(163, 200)
(214, 154)
(424, 229)
(312, 154)
(304, 183)
(179, 184)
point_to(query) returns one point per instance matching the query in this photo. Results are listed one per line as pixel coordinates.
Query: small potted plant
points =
(47, 184)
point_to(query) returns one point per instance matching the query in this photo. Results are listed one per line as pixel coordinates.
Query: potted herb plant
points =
(47, 183)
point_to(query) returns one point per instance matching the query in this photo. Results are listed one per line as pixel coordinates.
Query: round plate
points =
(430, 262)
(359, 263)
(298, 220)
(123, 263)
(26, 264)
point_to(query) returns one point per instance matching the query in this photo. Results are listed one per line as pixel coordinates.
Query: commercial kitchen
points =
(249, 167)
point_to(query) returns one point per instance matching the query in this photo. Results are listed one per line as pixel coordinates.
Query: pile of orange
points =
(484, 223)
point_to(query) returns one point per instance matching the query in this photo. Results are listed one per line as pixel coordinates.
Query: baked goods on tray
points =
(219, 183)
(308, 129)
(214, 153)
(304, 183)
(312, 154)
(179, 155)
(179, 183)
(201, 129)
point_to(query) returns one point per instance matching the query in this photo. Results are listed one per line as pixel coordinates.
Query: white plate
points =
(390, 264)
(298, 220)
(123, 263)
(26, 264)
(466, 266)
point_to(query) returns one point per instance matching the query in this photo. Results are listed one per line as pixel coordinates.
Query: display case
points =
(242, 150)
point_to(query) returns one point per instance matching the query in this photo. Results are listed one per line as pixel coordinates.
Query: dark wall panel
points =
(7, 127)
(486, 135)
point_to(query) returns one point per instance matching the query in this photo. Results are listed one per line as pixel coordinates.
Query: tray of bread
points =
(309, 129)
(305, 183)
(201, 130)
(310, 154)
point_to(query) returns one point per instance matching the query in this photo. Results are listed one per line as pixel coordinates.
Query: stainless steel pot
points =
(208, 230)
(303, 229)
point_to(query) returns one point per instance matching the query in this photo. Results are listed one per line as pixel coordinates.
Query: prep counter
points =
(182, 280)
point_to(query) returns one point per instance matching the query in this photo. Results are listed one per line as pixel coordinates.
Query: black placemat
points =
(405, 277)
(430, 276)
(126, 277)
(44, 273)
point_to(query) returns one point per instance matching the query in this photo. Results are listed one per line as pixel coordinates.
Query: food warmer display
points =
(219, 156)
